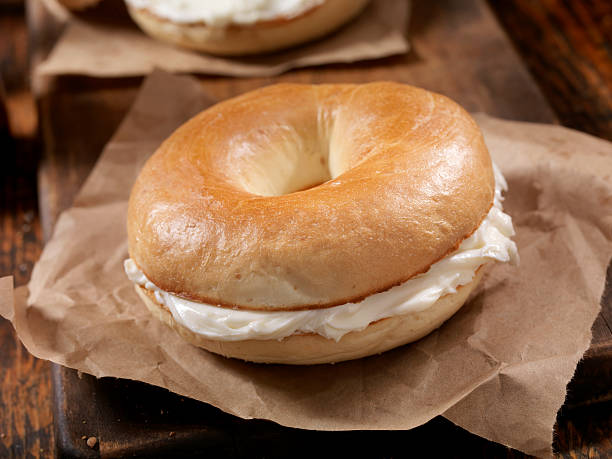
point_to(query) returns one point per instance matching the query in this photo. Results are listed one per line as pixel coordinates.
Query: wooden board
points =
(459, 50)
(136, 419)
(133, 419)
(26, 419)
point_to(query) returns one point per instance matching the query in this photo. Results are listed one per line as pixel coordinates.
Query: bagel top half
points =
(299, 197)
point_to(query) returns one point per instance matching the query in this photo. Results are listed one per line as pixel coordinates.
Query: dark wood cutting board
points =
(133, 419)
(459, 50)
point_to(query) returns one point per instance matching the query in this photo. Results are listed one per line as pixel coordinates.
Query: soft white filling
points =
(491, 241)
(220, 13)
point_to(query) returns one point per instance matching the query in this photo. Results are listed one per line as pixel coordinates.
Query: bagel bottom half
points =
(307, 349)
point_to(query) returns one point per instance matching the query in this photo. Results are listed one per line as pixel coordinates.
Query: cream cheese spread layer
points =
(490, 242)
(220, 13)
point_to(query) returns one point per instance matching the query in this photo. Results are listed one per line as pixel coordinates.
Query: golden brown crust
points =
(308, 349)
(406, 178)
(261, 37)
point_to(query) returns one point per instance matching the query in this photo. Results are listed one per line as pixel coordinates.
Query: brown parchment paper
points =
(105, 42)
(498, 368)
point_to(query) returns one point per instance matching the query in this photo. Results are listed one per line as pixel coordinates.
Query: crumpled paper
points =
(498, 368)
(105, 42)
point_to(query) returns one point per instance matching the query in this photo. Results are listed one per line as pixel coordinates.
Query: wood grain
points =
(174, 428)
(567, 46)
(26, 419)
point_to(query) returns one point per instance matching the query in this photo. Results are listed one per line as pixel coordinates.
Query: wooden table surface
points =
(566, 46)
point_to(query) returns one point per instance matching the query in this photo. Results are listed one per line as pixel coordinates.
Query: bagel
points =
(238, 27)
(321, 223)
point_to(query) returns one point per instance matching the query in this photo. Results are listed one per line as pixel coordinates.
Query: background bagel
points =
(259, 37)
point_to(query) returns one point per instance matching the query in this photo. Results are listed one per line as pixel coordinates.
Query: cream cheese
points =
(220, 13)
(490, 242)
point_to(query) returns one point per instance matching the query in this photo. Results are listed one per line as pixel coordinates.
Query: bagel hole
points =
(286, 168)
